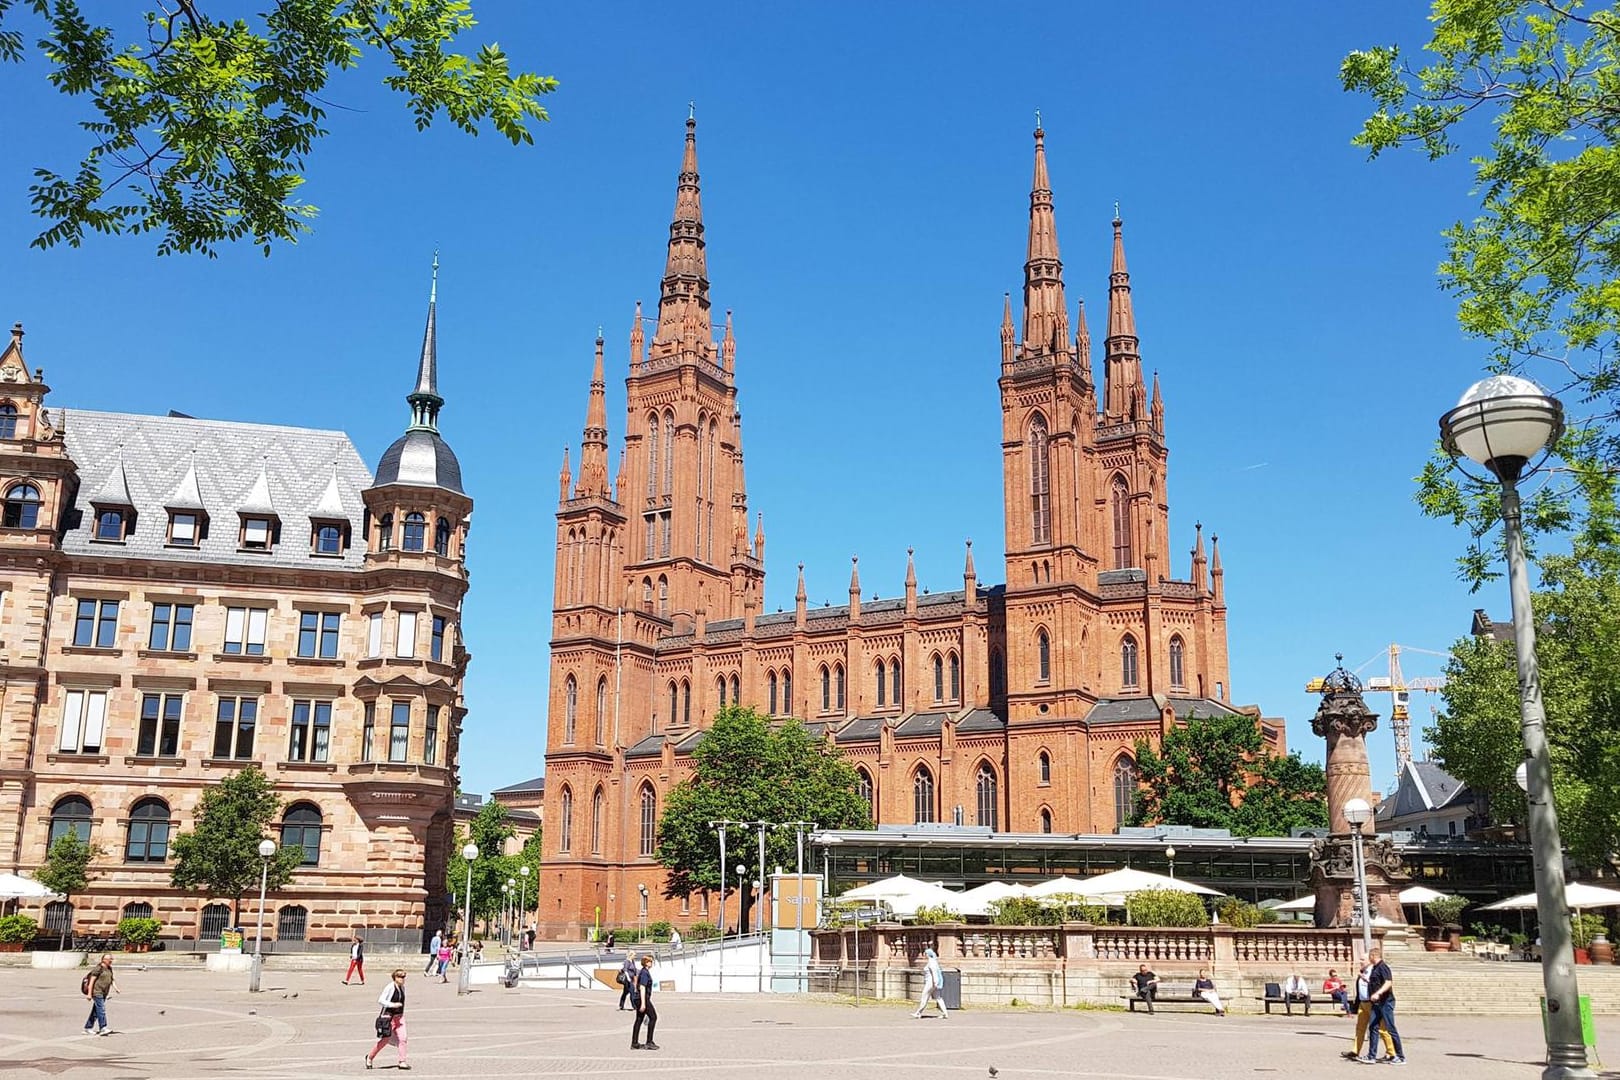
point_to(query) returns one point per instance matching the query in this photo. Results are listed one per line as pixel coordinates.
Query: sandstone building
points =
(181, 597)
(1014, 706)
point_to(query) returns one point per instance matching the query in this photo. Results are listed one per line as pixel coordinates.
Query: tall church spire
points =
(1046, 318)
(425, 401)
(683, 301)
(1126, 393)
(593, 477)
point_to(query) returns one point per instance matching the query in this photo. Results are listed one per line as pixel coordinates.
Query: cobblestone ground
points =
(180, 1025)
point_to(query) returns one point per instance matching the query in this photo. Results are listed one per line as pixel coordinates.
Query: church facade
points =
(1014, 706)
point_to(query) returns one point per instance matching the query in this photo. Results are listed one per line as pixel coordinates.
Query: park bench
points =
(1274, 996)
(1173, 997)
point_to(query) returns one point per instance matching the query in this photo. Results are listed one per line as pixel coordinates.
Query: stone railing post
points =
(1224, 949)
(949, 938)
(1077, 942)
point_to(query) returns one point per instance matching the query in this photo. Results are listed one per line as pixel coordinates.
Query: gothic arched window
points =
(598, 805)
(922, 796)
(652, 463)
(787, 692)
(669, 453)
(984, 789)
(826, 689)
(1124, 790)
(385, 532)
(1040, 482)
(838, 686)
(1046, 821)
(770, 681)
(1044, 765)
(674, 703)
(736, 696)
(1120, 504)
(1127, 662)
(22, 507)
(939, 677)
(601, 710)
(863, 788)
(882, 685)
(686, 702)
(720, 690)
(1177, 663)
(663, 595)
(441, 538)
(415, 532)
(998, 675)
(567, 841)
(894, 679)
(955, 665)
(570, 709)
(1043, 646)
(649, 820)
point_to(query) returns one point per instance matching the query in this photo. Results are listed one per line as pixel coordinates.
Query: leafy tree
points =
(220, 855)
(1217, 774)
(491, 829)
(1477, 737)
(747, 770)
(200, 125)
(1165, 907)
(1525, 88)
(66, 869)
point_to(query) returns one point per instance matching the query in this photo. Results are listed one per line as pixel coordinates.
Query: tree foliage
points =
(1527, 89)
(66, 868)
(491, 829)
(1216, 773)
(200, 125)
(220, 855)
(747, 770)
(1477, 738)
(1165, 907)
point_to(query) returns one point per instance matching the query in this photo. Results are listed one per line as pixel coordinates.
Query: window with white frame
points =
(245, 630)
(84, 721)
(374, 631)
(405, 637)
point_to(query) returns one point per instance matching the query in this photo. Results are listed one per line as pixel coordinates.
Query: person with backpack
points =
(627, 980)
(96, 986)
(391, 1021)
(933, 986)
(357, 961)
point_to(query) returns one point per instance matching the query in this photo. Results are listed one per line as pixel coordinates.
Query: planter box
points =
(11, 946)
(57, 961)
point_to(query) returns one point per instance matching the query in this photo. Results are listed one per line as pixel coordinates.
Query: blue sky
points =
(865, 182)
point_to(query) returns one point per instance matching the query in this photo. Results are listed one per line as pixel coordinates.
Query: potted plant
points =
(16, 931)
(1585, 930)
(1446, 934)
(138, 933)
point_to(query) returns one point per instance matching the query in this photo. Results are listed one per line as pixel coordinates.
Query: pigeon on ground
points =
(992, 1072)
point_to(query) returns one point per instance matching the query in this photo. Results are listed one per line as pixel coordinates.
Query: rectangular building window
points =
(311, 731)
(318, 634)
(84, 718)
(183, 529)
(368, 731)
(234, 726)
(245, 630)
(374, 634)
(95, 624)
(430, 744)
(405, 637)
(399, 731)
(256, 534)
(159, 734)
(328, 539)
(436, 642)
(171, 628)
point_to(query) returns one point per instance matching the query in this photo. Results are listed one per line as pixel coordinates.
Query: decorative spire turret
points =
(1158, 406)
(638, 340)
(911, 581)
(1199, 563)
(425, 401)
(728, 348)
(800, 595)
(1046, 315)
(801, 602)
(854, 588)
(683, 300)
(593, 480)
(1082, 341)
(564, 478)
(1123, 366)
(1009, 339)
(1216, 574)
(759, 538)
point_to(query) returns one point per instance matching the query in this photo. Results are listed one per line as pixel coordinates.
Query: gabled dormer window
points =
(185, 528)
(112, 523)
(258, 533)
(329, 538)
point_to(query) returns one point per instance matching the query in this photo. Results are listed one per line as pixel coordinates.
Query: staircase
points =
(1461, 985)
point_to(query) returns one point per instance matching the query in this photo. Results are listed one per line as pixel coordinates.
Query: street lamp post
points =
(267, 848)
(1502, 423)
(1170, 853)
(511, 907)
(1358, 812)
(523, 901)
(506, 904)
(642, 889)
(469, 855)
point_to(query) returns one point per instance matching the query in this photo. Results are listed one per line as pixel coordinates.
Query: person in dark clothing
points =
(1147, 985)
(627, 980)
(357, 961)
(644, 1007)
(1381, 992)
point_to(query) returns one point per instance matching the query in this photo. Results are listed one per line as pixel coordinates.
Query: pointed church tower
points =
(590, 522)
(683, 439)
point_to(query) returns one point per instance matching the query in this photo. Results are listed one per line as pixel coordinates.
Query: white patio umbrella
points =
(17, 887)
(904, 895)
(977, 901)
(1058, 886)
(1113, 888)
(1577, 895)
(1303, 903)
(1420, 894)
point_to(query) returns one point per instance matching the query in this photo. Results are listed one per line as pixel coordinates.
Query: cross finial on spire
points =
(1037, 119)
(691, 110)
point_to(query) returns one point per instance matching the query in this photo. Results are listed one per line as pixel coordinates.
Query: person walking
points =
(1147, 985)
(98, 984)
(433, 952)
(1364, 1015)
(357, 961)
(391, 1019)
(628, 973)
(933, 986)
(1381, 992)
(1204, 987)
(445, 952)
(644, 1007)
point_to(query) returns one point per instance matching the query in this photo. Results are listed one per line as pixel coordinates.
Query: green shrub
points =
(1045, 911)
(17, 928)
(1240, 914)
(1269, 916)
(1446, 910)
(659, 931)
(932, 915)
(703, 931)
(135, 931)
(1583, 928)
(1165, 907)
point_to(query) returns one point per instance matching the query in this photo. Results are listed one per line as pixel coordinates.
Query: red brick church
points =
(1013, 706)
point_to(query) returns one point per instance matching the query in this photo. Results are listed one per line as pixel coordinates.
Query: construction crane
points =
(1400, 688)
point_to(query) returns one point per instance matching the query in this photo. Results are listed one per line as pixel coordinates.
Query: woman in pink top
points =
(444, 960)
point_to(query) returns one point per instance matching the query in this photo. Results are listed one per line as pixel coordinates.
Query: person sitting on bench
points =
(1147, 985)
(1333, 987)
(1205, 988)
(1297, 989)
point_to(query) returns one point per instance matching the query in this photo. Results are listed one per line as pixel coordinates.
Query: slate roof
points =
(980, 720)
(651, 746)
(860, 729)
(921, 724)
(157, 452)
(1423, 787)
(522, 787)
(1135, 710)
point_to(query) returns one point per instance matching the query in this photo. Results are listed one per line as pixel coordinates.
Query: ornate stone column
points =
(1344, 720)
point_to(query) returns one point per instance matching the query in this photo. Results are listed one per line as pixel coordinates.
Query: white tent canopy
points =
(16, 887)
(1113, 888)
(1576, 895)
(1420, 894)
(904, 895)
(977, 901)
(1058, 886)
(1303, 903)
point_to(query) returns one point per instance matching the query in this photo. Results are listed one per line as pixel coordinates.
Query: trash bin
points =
(951, 993)
(1588, 1029)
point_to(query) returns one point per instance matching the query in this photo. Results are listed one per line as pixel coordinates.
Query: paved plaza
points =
(190, 1025)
